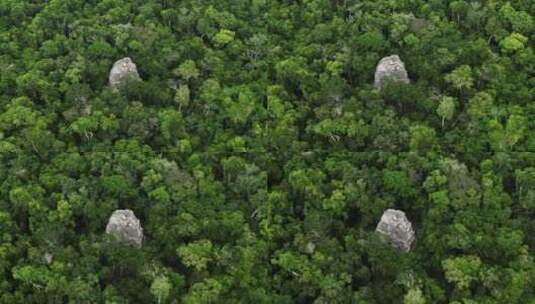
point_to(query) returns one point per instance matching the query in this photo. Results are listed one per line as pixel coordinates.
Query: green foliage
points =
(513, 43)
(446, 108)
(160, 288)
(258, 156)
(414, 296)
(462, 271)
(196, 254)
(187, 70)
(461, 77)
(182, 96)
(423, 139)
(223, 37)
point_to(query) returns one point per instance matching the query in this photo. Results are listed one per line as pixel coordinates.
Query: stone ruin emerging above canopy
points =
(397, 228)
(125, 227)
(121, 71)
(390, 69)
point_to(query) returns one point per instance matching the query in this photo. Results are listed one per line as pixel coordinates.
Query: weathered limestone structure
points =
(125, 227)
(121, 71)
(395, 225)
(388, 69)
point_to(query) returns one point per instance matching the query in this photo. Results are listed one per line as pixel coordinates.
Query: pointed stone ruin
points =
(397, 228)
(125, 227)
(390, 69)
(121, 71)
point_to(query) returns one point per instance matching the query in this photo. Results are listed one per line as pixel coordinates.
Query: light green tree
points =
(513, 43)
(182, 96)
(462, 271)
(160, 288)
(461, 78)
(196, 254)
(223, 37)
(188, 69)
(446, 108)
(414, 296)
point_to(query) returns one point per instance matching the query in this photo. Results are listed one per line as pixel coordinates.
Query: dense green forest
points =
(258, 155)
